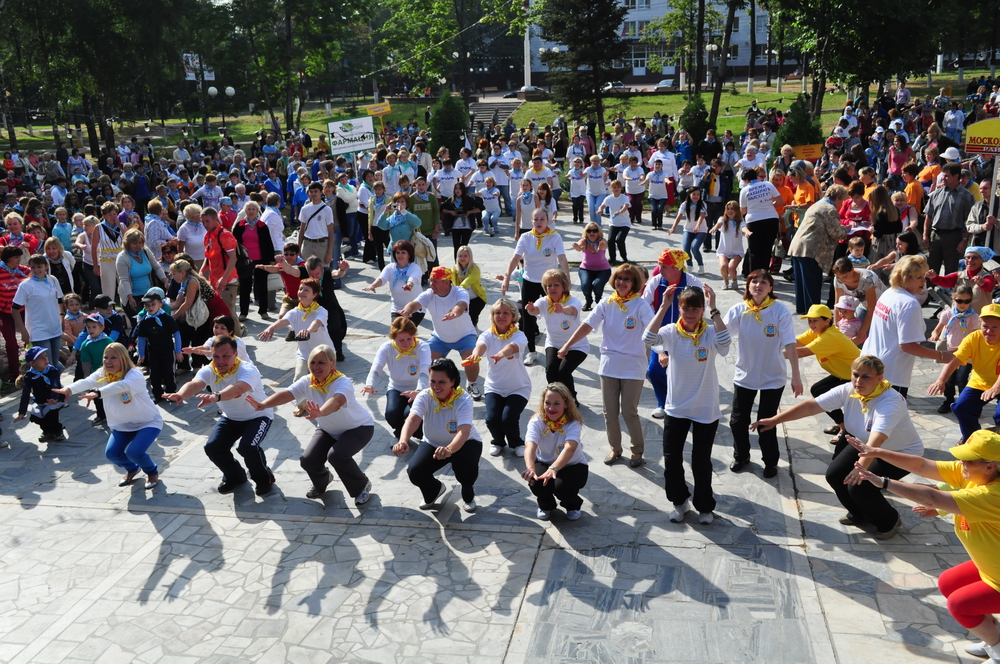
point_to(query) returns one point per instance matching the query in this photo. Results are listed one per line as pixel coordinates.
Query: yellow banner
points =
(808, 152)
(983, 137)
(377, 110)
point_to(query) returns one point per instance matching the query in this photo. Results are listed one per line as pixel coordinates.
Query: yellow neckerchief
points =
(620, 301)
(411, 352)
(879, 389)
(110, 377)
(321, 386)
(698, 331)
(552, 305)
(450, 401)
(222, 376)
(755, 309)
(503, 337)
(557, 426)
(307, 310)
(540, 237)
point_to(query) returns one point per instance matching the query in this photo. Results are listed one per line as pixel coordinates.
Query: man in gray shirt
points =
(944, 227)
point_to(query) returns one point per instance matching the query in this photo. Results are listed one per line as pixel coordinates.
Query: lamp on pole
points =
(710, 51)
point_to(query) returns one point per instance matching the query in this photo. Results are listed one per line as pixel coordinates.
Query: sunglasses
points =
(592, 232)
(957, 301)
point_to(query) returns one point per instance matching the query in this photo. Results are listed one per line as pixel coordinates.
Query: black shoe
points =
(588, 306)
(341, 358)
(850, 520)
(228, 486)
(945, 408)
(290, 336)
(738, 464)
(264, 488)
(770, 471)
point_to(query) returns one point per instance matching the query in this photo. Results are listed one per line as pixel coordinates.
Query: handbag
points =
(197, 314)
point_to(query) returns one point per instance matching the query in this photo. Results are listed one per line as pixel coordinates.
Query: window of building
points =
(762, 24)
(734, 51)
(634, 29)
(761, 52)
(736, 24)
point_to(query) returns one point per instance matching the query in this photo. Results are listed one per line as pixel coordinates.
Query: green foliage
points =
(591, 42)
(678, 29)
(799, 127)
(449, 122)
(694, 119)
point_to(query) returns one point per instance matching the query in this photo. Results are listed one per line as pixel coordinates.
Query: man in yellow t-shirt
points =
(834, 351)
(982, 349)
(972, 588)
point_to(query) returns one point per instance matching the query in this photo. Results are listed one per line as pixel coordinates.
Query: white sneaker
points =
(530, 358)
(706, 518)
(427, 506)
(364, 496)
(496, 450)
(659, 414)
(701, 269)
(573, 515)
(977, 649)
(469, 506)
(473, 390)
(519, 451)
(677, 514)
(543, 515)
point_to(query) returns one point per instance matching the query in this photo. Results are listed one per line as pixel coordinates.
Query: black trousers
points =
(578, 205)
(616, 243)
(503, 418)
(675, 430)
(397, 409)
(865, 500)
(530, 291)
(258, 282)
(250, 434)
(476, 306)
(823, 386)
(49, 422)
(460, 237)
(760, 245)
(339, 452)
(561, 371)
(739, 423)
(565, 488)
(161, 370)
(465, 464)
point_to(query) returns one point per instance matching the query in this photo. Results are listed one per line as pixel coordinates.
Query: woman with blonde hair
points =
(61, 263)
(595, 270)
(466, 274)
(897, 327)
(133, 418)
(555, 465)
(561, 313)
(624, 315)
(194, 304)
(138, 271)
(508, 385)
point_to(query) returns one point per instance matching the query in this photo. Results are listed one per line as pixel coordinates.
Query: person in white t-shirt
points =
(694, 213)
(231, 380)
(898, 324)
(191, 235)
(765, 334)
(555, 465)
(447, 306)
(508, 386)
(36, 309)
(757, 201)
(877, 415)
(577, 189)
(622, 369)
(656, 181)
(343, 426)
(633, 176)
(541, 249)
(597, 187)
(450, 437)
(309, 322)
(618, 205)
(692, 395)
(560, 312)
(403, 276)
(407, 360)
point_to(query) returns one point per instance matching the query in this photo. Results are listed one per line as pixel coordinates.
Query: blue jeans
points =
(657, 376)
(592, 283)
(508, 206)
(955, 135)
(397, 409)
(692, 245)
(491, 221)
(968, 408)
(656, 208)
(595, 202)
(808, 283)
(128, 450)
(352, 232)
(52, 347)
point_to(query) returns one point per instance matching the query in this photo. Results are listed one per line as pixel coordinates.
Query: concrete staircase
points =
(504, 108)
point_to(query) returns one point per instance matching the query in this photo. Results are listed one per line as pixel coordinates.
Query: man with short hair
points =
(316, 226)
(219, 267)
(981, 223)
(231, 380)
(948, 208)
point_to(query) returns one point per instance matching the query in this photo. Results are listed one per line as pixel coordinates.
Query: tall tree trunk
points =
(288, 65)
(5, 109)
(819, 79)
(770, 36)
(89, 110)
(752, 69)
(723, 59)
(263, 85)
(699, 75)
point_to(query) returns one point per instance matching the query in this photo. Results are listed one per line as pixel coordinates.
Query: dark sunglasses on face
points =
(957, 301)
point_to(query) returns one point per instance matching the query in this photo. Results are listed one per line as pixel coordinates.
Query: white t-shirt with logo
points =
(349, 416)
(410, 372)
(897, 320)
(756, 197)
(538, 261)
(509, 375)
(623, 352)
(440, 427)
(448, 331)
(887, 414)
(692, 381)
(408, 275)
(613, 204)
(550, 443)
(560, 327)
(300, 322)
(237, 409)
(760, 364)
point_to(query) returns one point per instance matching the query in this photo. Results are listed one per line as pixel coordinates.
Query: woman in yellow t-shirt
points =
(834, 352)
(972, 588)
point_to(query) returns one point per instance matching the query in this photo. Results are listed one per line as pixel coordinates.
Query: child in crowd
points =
(72, 325)
(39, 378)
(953, 326)
(156, 332)
(92, 355)
(222, 326)
(685, 179)
(856, 252)
(731, 249)
(847, 321)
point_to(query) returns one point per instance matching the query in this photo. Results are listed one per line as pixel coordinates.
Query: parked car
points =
(511, 95)
(617, 86)
(665, 85)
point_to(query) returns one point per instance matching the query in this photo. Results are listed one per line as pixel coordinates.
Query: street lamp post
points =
(710, 51)
(230, 92)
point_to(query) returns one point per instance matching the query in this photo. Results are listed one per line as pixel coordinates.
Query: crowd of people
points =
(102, 257)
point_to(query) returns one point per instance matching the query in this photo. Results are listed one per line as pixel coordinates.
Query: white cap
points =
(951, 154)
(848, 302)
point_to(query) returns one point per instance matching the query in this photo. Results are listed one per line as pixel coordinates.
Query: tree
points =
(799, 127)
(694, 118)
(592, 43)
(681, 28)
(449, 122)
(720, 75)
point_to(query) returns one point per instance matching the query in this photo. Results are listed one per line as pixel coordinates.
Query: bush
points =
(694, 118)
(799, 128)
(449, 122)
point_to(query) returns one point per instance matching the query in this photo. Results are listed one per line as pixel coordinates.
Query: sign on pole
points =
(378, 110)
(983, 137)
(808, 152)
(352, 135)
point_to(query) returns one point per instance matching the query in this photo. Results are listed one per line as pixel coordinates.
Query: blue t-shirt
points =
(139, 273)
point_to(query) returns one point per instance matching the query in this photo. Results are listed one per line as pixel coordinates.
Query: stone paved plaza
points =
(96, 573)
